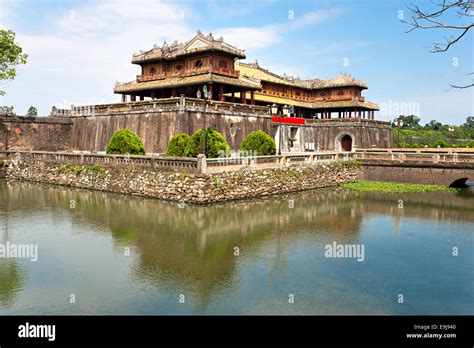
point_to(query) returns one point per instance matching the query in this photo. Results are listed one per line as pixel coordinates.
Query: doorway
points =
(346, 143)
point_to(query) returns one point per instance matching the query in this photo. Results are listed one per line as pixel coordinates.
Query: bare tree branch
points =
(423, 20)
(434, 20)
(465, 86)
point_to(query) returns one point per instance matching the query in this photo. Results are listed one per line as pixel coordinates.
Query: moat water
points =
(101, 253)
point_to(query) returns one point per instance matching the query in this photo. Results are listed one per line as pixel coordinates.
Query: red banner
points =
(288, 120)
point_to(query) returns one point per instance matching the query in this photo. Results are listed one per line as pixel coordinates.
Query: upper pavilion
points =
(176, 69)
(205, 62)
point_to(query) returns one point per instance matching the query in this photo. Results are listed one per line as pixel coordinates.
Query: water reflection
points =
(193, 249)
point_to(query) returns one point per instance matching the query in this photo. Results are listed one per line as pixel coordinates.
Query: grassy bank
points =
(393, 187)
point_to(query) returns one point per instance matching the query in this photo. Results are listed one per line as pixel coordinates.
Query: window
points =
(152, 71)
(179, 67)
(198, 64)
(223, 64)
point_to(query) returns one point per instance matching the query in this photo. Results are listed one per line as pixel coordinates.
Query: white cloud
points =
(89, 47)
(248, 38)
(86, 48)
(269, 35)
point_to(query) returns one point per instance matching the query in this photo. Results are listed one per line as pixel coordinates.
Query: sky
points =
(78, 50)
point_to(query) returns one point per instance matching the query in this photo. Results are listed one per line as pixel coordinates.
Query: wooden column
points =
(243, 97)
(142, 97)
(233, 97)
(124, 98)
(152, 94)
(133, 98)
(252, 97)
(221, 92)
(173, 93)
(211, 93)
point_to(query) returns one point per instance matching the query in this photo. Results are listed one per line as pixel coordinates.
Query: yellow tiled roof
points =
(265, 75)
(253, 70)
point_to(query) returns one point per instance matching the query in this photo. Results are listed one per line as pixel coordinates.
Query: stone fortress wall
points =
(90, 128)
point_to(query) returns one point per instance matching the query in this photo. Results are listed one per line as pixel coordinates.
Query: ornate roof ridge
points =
(255, 65)
(199, 42)
(341, 79)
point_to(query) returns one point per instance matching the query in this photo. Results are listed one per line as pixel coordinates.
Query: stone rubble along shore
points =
(182, 187)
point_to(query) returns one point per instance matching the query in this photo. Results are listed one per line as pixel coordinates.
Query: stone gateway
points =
(201, 83)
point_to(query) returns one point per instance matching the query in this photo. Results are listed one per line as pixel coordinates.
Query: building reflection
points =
(193, 247)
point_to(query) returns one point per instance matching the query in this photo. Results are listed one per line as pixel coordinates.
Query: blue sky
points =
(79, 49)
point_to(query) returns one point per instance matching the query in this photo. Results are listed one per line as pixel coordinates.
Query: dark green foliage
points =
(216, 145)
(440, 143)
(258, 143)
(434, 131)
(125, 142)
(32, 112)
(11, 55)
(177, 145)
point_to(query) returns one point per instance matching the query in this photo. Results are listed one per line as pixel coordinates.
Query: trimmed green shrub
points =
(125, 142)
(177, 145)
(216, 145)
(258, 143)
(439, 142)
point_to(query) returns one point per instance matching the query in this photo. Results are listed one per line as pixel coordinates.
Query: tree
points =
(177, 145)
(410, 121)
(216, 145)
(460, 9)
(11, 55)
(7, 111)
(125, 142)
(469, 122)
(435, 125)
(258, 143)
(32, 112)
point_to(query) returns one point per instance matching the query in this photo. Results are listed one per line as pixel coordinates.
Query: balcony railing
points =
(189, 72)
(181, 103)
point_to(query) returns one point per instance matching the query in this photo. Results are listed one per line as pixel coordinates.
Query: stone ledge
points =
(187, 188)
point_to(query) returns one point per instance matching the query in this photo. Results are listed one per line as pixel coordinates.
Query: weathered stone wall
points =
(35, 133)
(413, 173)
(189, 188)
(3, 167)
(328, 136)
(155, 128)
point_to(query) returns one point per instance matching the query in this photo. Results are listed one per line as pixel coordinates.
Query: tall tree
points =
(32, 112)
(469, 122)
(435, 125)
(461, 11)
(11, 55)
